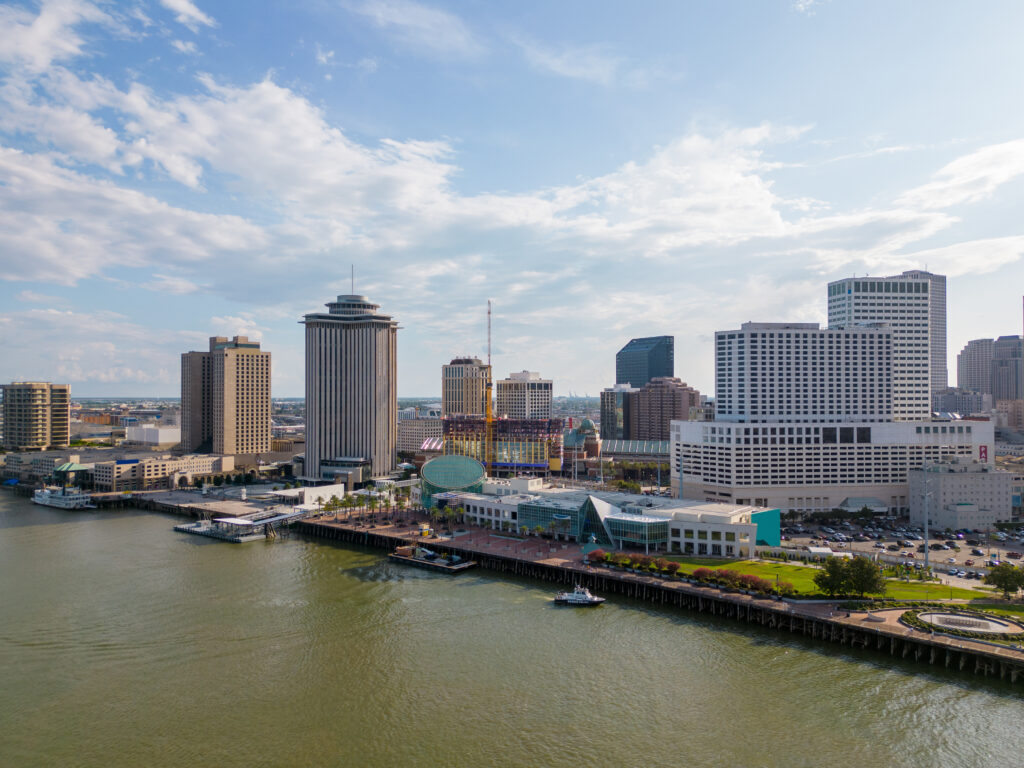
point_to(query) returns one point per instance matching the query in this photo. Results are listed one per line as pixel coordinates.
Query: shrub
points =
(642, 561)
(660, 563)
(703, 574)
(728, 578)
(785, 588)
(672, 568)
(597, 556)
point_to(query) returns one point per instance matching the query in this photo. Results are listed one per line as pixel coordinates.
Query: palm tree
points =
(450, 514)
(551, 527)
(538, 529)
(436, 513)
(373, 502)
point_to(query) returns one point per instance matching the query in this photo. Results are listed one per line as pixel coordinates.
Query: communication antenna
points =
(353, 279)
(488, 331)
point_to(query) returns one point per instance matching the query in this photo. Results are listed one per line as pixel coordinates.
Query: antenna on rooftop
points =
(488, 331)
(353, 279)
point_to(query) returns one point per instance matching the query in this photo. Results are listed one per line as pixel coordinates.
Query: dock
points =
(439, 565)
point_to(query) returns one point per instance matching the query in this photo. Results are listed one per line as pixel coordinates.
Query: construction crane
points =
(489, 432)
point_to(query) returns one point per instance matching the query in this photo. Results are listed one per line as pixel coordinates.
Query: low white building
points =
(961, 494)
(163, 437)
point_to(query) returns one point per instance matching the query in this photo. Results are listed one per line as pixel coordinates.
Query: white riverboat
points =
(579, 596)
(63, 498)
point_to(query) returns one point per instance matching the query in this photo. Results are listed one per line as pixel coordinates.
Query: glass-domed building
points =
(450, 473)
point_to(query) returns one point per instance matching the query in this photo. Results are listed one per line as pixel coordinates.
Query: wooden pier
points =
(878, 631)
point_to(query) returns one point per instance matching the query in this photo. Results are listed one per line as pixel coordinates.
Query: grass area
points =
(802, 579)
(1011, 611)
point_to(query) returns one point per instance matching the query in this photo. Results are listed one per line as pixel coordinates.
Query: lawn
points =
(802, 578)
(1011, 611)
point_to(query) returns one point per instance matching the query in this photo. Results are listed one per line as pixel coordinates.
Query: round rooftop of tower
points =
(588, 426)
(453, 473)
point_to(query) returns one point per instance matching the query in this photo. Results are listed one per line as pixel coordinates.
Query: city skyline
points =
(177, 170)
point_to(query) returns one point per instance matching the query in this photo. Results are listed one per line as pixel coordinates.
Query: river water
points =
(123, 643)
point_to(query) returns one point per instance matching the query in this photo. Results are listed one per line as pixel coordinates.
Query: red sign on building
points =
(982, 453)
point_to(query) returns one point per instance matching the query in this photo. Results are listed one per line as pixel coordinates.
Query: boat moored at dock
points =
(63, 498)
(426, 558)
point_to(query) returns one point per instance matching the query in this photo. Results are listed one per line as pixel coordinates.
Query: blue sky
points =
(171, 170)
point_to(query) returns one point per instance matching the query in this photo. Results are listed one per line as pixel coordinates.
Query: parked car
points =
(950, 560)
(977, 552)
(1013, 555)
(968, 562)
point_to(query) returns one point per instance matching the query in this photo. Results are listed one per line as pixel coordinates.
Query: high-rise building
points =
(351, 389)
(813, 420)
(798, 372)
(464, 387)
(1007, 372)
(657, 404)
(225, 398)
(913, 305)
(644, 359)
(963, 401)
(974, 367)
(36, 415)
(616, 412)
(524, 395)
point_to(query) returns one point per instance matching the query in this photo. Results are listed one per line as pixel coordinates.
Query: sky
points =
(172, 170)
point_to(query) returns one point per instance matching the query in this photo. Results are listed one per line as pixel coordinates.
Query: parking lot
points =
(961, 556)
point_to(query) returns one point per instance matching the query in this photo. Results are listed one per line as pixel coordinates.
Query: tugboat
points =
(579, 596)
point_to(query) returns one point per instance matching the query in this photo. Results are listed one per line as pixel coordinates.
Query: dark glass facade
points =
(644, 359)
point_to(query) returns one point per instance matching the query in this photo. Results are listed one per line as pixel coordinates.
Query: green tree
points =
(864, 577)
(833, 578)
(538, 529)
(1006, 578)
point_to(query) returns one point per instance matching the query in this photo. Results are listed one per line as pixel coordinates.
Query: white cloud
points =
(183, 46)
(188, 14)
(36, 41)
(970, 178)
(91, 347)
(422, 27)
(323, 58)
(32, 297)
(244, 324)
(48, 212)
(172, 284)
(587, 63)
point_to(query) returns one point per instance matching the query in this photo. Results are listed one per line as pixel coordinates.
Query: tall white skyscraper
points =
(913, 304)
(351, 388)
(798, 372)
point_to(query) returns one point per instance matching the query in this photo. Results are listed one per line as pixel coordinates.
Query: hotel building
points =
(225, 398)
(524, 395)
(913, 305)
(351, 390)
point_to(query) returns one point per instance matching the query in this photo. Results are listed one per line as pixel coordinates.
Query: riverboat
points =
(63, 498)
(426, 558)
(580, 596)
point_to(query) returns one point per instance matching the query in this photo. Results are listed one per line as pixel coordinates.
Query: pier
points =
(562, 563)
